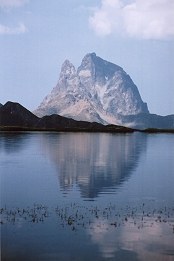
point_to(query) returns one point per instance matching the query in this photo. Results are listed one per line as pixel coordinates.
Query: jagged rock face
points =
(98, 91)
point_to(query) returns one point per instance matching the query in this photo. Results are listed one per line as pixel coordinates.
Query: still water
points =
(87, 196)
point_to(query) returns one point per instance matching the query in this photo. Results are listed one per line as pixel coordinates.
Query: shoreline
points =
(87, 130)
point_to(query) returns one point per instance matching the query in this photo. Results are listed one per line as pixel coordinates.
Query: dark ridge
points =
(153, 130)
(15, 117)
(14, 114)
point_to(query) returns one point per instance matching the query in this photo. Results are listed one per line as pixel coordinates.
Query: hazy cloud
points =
(148, 19)
(12, 3)
(6, 5)
(20, 29)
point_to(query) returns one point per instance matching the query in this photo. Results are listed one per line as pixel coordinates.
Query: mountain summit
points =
(97, 91)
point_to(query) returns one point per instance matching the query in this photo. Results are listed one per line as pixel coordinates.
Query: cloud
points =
(150, 19)
(20, 29)
(12, 3)
(9, 4)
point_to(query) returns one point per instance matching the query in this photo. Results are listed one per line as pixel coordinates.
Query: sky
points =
(36, 36)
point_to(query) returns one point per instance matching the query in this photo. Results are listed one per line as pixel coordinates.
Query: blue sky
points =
(36, 36)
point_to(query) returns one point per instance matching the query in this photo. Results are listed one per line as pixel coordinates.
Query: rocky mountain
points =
(14, 116)
(97, 91)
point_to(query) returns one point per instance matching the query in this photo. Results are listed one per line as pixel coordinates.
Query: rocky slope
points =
(97, 91)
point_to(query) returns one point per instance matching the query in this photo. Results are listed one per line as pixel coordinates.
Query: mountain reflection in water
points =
(97, 163)
(79, 219)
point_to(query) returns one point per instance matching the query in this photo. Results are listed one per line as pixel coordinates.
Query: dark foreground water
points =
(85, 196)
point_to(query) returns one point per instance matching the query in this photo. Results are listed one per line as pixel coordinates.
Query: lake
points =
(87, 196)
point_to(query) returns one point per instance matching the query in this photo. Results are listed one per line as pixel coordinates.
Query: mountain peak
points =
(90, 56)
(88, 61)
(67, 63)
(67, 69)
(95, 67)
(93, 54)
(98, 91)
